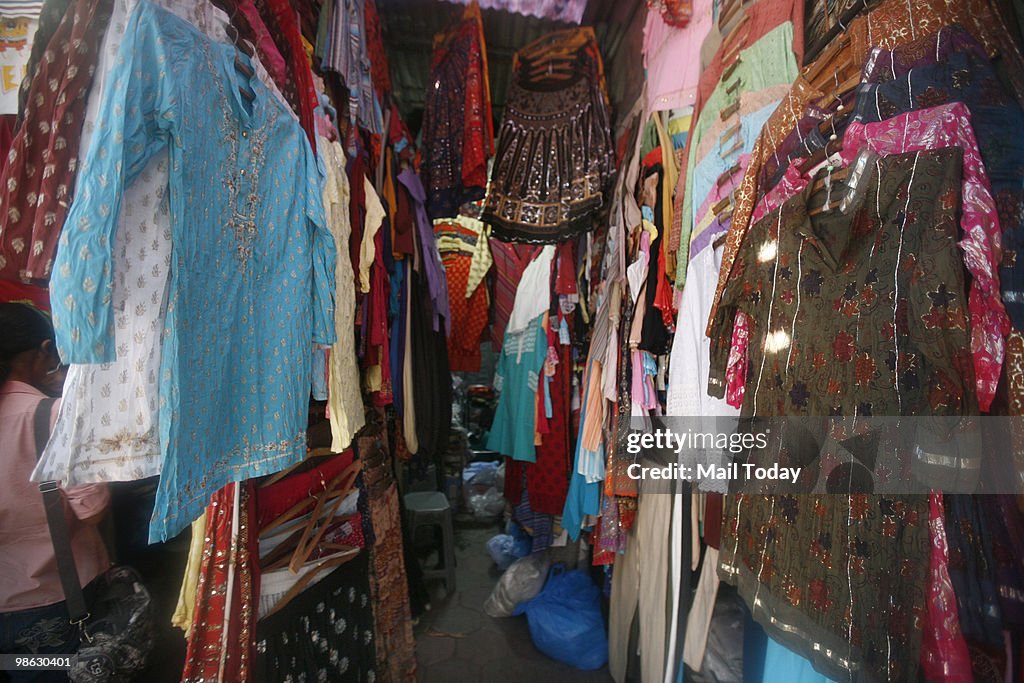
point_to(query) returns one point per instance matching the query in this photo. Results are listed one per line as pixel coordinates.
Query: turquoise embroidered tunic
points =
(251, 277)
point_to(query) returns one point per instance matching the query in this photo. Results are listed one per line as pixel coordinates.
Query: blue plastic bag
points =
(565, 620)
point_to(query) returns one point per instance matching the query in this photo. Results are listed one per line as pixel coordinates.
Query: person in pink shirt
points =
(33, 616)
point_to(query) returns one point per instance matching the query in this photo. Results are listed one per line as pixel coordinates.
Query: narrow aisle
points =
(456, 641)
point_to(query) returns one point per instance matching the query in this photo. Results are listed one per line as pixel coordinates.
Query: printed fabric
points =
(897, 346)
(981, 242)
(107, 428)
(553, 158)
(229, 163)
(895, 343)
(457, 133)
(345, 408)
(325, 633)
(457, 245)
(38, 182)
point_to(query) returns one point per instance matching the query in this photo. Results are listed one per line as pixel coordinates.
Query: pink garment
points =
(944, 656)
(750, 101)
(644, 395)
(28, 568)
(736, 371)
(927, 129)
(672, 58)
(271, 57)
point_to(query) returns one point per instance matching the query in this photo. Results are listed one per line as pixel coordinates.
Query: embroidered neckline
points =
(243, 208)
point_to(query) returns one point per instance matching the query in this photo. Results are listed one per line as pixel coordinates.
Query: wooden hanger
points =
(314, 530)
(723, 204)
(320, 565)
(841, 89)
(827, 58)
(833, 176)
(313, 453)
(331, 490)
(726, 175)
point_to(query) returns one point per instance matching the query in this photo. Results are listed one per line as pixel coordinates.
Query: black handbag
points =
(117, 628)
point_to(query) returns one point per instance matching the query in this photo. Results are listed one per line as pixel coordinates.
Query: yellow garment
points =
(671, 173)
(185, 610)
(680, 123)
(482, 259)
(345, 400)
(372, 223)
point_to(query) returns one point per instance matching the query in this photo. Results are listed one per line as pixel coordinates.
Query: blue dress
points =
(251, 269)
(518, 371)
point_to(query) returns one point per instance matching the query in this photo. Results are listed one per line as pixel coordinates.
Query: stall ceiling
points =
(409, 27)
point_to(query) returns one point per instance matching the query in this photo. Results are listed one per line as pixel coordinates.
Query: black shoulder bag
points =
(117, 629)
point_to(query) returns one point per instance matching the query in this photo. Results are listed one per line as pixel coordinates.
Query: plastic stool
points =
(430, 508)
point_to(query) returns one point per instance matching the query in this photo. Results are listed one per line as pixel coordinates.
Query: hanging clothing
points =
(430, 259)
(510, 260)
(944, 655)
(469, 313)
(889, 25)
(671, 58)
(457, 125)
(554, 156)
(345, 407)
(220, 644)
(389, 586)
(981, 242)
(108, 425)
(897, 22)
(326, 631)
(548, 478)
(268, 51)
(759, 19)
(517, 377)
(767, 62)
(431, 378)
(878, 354)
(38, 182)
(347, 54)
(258, 150)
(50, 16)
(969, 78)
(797, 297)
(299, 89)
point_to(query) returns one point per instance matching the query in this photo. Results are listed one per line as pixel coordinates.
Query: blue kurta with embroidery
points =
(251, 268)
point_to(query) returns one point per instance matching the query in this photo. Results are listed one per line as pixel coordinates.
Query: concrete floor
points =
(457, 641)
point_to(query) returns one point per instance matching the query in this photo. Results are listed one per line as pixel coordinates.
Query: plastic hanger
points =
(834, 175)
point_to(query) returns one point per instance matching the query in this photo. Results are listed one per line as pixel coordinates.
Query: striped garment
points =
(21, 8)
(510, 260)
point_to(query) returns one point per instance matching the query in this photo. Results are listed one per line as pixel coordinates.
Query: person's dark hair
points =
(22, 328)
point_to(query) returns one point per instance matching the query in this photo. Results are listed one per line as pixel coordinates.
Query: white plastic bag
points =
(484, 489)
(521, 582)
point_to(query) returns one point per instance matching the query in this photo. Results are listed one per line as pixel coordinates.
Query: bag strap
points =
(54, 504)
